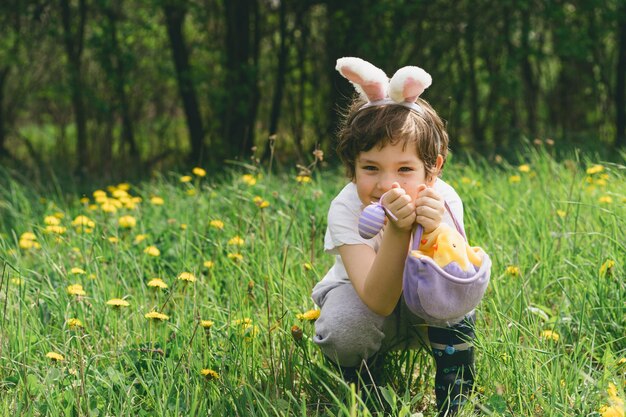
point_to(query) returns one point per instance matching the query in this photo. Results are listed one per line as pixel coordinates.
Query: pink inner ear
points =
(373, 90)
(412, 89)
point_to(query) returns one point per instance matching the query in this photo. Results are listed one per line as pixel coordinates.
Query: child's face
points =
(377, 169)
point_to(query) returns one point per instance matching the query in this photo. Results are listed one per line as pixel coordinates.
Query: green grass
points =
(548, 235)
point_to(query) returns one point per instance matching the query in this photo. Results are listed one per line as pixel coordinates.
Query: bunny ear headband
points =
(372, 84)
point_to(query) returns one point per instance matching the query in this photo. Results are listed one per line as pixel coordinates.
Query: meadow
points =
(189, 294)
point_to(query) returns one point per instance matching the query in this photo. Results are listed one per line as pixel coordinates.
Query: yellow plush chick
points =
(446, 245)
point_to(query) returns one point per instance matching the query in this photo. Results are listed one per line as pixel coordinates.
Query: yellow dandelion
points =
(99, 193)
(77, 271)
(76, 289)
(83, 221)
(118, 302)
(310, 315)
(191, 192)
(260, 203)
(595, 169)
(17, 281)
(307, 265)
(612, 411)
(621, 361)
(157, 283)
(601, 182)
(513, 270)
(183, 226)
(237, 257)
(127, 222)
(185, 178)
(236, 241)
(187, 276)
(209, 264)
(612, 391)
(606, 199)
(524, 168)
(198, 172)
(157, 201)
(248, 179)
(140, 238)
(549, 334)
(74, 323)
(207, 324)
(84, 200)
(246, 321)
(113, 239)
(52, 221)
(152, 251)
(55, 356)
(515, 178)
(108, 207)
(101, 199)
(28, 236)
(466, 180)
(561, 213)
(155, 315)
(303, 179)
(217, 224)
(120, 194)
(29, 244)
(55, 229)
(210, 374)
(607, 266)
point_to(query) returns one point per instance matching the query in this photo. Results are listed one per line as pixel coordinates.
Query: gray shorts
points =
(348, 332)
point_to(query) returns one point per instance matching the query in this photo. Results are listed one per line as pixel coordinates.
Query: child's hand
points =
(429, 208)
(400, 204)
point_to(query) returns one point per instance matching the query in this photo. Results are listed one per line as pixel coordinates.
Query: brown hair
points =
(361, 130)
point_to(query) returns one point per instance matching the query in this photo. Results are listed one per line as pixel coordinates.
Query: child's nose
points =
(386, 182)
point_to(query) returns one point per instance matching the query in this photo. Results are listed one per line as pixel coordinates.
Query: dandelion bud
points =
(296, 333)
(251, 289)
(319, 155)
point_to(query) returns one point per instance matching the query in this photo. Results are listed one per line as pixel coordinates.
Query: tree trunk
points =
(474, 105)
(620, 85)
(117, 61)
(281, 70)
(530, 86)
(174, 17)
(4, 73)
(239, 113)
(73, 42)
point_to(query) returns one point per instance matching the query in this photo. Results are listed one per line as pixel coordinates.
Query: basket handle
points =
(419, 231)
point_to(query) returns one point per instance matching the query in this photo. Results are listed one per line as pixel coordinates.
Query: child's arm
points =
(377, 277)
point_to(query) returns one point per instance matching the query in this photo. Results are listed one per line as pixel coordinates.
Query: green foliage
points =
(550, 329)
(503, 72)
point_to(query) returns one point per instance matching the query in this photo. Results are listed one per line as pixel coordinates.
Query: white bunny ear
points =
(370, 82)
(408, 83)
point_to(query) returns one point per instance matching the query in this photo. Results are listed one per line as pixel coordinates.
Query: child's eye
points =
(369, 168)
(406, 169)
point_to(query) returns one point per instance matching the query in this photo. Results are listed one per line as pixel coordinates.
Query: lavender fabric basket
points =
(443, 295)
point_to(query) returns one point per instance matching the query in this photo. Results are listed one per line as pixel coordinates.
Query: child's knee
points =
(348, 339)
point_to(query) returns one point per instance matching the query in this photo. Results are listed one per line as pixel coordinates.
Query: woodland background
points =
(118, 88)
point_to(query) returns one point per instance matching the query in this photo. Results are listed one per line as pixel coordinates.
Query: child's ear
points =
(433, 176)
